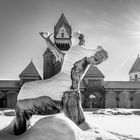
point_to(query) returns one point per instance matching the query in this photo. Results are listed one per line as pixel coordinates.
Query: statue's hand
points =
(45, 35)
(100, 56)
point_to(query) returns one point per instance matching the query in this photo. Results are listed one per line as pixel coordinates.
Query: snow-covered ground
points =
(124, 126)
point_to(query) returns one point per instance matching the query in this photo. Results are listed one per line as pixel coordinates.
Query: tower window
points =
(62, 34)
(136, 77)
(130, 78)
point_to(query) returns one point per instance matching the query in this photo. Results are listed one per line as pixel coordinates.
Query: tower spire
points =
(62, 11)
(62, 33)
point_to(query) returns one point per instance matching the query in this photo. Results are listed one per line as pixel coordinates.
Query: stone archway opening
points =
(11, 99)
(111, 99)
(136, 100)
(95, 100)
(124, 101)
(2, 100)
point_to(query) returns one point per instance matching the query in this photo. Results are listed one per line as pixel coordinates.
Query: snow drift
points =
(48, 128)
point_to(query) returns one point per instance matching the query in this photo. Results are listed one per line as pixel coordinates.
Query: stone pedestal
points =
(71, 101)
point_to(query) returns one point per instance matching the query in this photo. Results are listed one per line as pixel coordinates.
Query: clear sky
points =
(113, 24)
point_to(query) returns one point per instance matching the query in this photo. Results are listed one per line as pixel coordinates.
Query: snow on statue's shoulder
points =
(55, 86)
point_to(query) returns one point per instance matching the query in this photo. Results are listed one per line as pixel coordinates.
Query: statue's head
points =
(78, 38)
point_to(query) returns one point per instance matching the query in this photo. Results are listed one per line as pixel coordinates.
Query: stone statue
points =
(61, 92)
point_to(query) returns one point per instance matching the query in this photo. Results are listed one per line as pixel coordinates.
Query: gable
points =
(30, 71)
(62, 33)
(93, 71)
(136, 66)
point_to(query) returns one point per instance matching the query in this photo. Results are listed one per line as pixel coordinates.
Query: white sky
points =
(113, 24)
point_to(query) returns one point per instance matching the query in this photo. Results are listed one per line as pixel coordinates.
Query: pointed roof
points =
(94, 71)
(62, 21)
(136, 66)
(30, 70)
(48, 51)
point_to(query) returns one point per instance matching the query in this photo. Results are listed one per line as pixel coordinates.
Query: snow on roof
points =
(9, 84)
(122, 84)
(94, 71)
(30, 70)
(136, 66)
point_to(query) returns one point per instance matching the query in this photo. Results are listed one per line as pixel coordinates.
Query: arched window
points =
(130, 78)
(136, 77)
(62, 34)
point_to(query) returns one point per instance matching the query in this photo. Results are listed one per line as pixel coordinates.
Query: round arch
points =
(1, 94)
(11, 99)
(95, 99)
(124, 101)
(110, 100)
(1, 99)
(136, 100)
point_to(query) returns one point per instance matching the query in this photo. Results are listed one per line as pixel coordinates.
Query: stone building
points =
(62, 33)
(95, 91)
(111, 94)
(9, 89)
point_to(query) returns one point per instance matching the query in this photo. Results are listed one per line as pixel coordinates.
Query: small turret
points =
(134, 73)
(62, 34)
(48, 64)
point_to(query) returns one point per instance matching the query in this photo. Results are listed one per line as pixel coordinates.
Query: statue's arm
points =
(81, 66)
(59, 55)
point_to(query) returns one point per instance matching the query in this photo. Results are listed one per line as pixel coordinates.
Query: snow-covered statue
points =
(61, 92)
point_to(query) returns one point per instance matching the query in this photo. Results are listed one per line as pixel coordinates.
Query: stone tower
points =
(62, 33)
(134, 74)
(48, 64)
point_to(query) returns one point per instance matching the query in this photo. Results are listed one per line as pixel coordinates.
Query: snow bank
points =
(48, 128)
(125, 127)
(7, 112)
(117, 111)
(55, 86)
